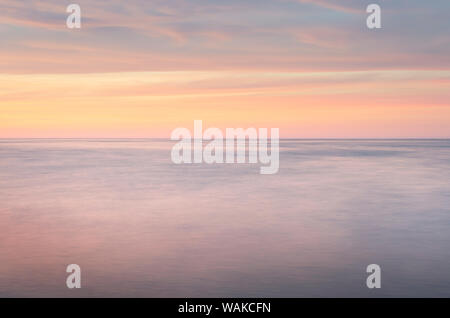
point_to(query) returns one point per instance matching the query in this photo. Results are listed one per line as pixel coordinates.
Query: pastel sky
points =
(141, 68)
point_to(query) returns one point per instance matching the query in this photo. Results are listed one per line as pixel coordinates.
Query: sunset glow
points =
(119, 76)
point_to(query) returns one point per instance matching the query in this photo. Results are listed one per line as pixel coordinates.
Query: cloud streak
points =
(201, 35)
(138, 68)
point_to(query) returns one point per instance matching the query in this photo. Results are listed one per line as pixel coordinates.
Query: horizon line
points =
(168, 139)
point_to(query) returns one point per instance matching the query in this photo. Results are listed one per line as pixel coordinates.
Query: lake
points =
(140, 226)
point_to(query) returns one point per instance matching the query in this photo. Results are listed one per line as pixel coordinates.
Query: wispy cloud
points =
(200, 35)
(304, 65)
(349, 6)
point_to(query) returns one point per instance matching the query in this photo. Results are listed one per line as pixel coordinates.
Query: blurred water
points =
(140, 226)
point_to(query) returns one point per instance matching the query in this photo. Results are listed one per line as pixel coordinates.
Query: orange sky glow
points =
(142, 77)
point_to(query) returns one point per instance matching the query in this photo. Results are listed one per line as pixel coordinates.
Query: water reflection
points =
(140, 226)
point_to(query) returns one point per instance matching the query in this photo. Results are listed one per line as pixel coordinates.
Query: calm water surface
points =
(140, 226)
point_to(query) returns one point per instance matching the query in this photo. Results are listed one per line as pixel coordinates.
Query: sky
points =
(141, 68)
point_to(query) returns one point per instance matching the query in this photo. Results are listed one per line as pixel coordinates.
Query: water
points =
(140, 226)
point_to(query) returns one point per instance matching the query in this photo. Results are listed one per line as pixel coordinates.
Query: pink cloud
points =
(349, 6)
